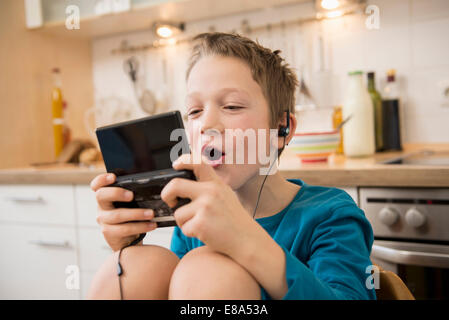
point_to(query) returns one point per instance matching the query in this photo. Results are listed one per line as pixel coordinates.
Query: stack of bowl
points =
(315, 146)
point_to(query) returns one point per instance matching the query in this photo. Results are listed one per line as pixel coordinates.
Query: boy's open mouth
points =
(214, 155)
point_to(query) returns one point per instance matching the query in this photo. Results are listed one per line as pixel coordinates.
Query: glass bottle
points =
(391, 113)
(57, 112)
(358, 140)
(378, 117)
(337, 118)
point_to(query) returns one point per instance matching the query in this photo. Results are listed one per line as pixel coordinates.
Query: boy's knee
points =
(146, 274)
(205, 274)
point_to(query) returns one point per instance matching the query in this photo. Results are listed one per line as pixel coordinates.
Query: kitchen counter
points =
(341, 171)
(338, 171)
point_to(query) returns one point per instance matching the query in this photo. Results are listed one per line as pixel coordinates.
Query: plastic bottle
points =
(358, 139)
(57, 112)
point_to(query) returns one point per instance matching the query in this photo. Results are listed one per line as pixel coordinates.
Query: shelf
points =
(143, 16)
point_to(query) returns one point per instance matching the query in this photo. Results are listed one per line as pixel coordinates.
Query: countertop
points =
(341, 171)
(338, 171)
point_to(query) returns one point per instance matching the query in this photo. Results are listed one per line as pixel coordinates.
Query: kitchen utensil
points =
(145, 97)
(344, 122)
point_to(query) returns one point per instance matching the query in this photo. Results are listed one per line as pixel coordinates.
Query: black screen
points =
(141, 145)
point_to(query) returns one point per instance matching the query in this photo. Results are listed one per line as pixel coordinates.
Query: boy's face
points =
(221, 94)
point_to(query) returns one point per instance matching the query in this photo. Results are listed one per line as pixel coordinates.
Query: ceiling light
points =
(337, 8)
(166, 30)
(329, 4)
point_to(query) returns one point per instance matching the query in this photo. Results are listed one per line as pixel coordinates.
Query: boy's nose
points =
(211, 122)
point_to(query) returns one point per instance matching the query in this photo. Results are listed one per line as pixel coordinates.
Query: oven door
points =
(424, 268)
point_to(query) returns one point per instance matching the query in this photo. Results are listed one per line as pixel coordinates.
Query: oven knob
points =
(388, 216)
(415, 218)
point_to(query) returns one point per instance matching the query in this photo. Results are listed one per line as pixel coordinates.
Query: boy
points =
(304, 242)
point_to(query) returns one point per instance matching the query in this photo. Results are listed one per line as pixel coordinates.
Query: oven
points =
(411, 236)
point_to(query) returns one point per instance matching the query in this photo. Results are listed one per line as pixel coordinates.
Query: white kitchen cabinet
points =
(106, 17)
(35, 260)
(86, 206)
(93, 249)
(40, 204)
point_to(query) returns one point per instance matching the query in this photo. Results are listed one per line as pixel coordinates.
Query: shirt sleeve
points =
(339, 257)
(178, 243)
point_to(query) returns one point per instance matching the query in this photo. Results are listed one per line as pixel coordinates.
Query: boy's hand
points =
(119, 226)
(215, 215)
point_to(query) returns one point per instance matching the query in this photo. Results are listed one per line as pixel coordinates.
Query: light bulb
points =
(329, 4)
(164, 31)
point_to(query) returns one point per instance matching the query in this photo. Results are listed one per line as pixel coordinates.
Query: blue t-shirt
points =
(327, 243)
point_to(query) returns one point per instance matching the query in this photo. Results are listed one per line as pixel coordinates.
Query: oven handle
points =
(407, 257)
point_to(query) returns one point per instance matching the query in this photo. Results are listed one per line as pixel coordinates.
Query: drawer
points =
(37, 204)
(34, 262)
(86, 206)
(94, 250)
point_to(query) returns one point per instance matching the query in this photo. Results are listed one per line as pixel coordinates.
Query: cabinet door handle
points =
(58, 244)
(23, 199)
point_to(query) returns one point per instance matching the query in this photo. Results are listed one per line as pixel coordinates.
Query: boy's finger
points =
(129, 229)
(182, 188)
(105, 196)
(102, 180)
(185, 213)
(124, 215)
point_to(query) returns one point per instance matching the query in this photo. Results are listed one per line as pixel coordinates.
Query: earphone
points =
(284, 131)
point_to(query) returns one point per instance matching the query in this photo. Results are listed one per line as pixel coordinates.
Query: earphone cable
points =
(119, 266)
(263, 182)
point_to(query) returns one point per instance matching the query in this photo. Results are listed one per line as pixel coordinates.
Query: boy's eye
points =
(193, 112)
(233, 107)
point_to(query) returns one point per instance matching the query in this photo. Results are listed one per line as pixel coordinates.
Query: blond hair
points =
(268, 68)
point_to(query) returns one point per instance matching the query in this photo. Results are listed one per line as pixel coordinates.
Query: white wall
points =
(413, 39)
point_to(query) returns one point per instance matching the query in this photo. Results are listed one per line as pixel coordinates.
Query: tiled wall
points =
(413, 38)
